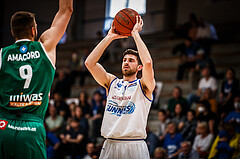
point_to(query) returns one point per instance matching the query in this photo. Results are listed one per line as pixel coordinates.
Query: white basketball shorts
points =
(114, 149)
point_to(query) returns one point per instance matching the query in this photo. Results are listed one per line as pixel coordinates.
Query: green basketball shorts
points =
(22, 139)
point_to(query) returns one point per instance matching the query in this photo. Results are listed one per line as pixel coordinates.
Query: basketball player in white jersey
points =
(129, 99)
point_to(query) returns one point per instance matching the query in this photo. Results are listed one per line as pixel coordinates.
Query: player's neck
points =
(129, 78)
(31, 39)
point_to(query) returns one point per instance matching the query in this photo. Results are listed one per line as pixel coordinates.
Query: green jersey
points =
(26, 76)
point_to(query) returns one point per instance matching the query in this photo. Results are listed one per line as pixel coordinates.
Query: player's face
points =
(129, 65)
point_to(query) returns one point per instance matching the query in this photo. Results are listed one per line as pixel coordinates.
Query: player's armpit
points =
(146, 90)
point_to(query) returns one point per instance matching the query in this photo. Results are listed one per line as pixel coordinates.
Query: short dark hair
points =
(163, 111)
(179, 89)
(193, 112)
(233, 71)
(132, 52)
(21, 24)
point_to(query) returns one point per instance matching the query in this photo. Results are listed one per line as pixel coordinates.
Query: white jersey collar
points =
(22, 40)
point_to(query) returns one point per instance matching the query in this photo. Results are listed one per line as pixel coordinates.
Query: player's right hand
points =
(114, 34)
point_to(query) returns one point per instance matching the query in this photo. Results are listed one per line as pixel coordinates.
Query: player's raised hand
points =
(113, 33)
(139, 24)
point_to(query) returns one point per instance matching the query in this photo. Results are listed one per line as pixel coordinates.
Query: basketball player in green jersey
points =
(26, 74)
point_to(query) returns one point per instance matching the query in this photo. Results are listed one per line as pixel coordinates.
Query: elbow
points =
(67, 10)
(70, 10)
(148, 63)
(87, 64)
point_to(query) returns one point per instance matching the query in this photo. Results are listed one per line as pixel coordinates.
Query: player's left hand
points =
(138, 26)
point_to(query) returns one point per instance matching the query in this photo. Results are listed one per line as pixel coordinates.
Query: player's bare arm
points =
(51, 37)
(147, 80)
(96, 69)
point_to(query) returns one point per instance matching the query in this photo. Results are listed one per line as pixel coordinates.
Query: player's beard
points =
(129, 72)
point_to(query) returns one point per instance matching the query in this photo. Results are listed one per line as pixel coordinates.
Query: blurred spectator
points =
(238, 149)
(61, 106)
(205, 115)
(78, 68)
(90, 150)
(83, 103)
(187, 152)
(74, 140)
(97, 109)
(184, 29)
(176, 98)
(208, 96)
(160, 153)
(234, 139)
(83, 70)
(74, 64)
(72, 107)
(52, 145)
(83, 121)
(163, 121)
(62, 84)
(189, 130)
(203, 60)
(156, 94)
(206, 30)
(206, 35)
(152, 141)
(102, 91)
(207, 81)
(188, 58)
(234, 116)
(203, 141)
(229, 91)
(224, 150)
(54, 122)
(172, 141)
(179, 117)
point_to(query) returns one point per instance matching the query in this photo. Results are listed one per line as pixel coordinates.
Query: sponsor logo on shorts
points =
(3, 124)
(117, 110)
(21, 128)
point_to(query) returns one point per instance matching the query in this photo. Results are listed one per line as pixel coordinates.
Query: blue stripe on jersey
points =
(111, 84)
(143, 92)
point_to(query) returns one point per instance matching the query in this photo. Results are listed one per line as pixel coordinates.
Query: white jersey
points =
(126, 111)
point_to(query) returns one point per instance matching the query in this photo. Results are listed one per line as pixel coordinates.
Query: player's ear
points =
(12, 32)
(139, 68)
(33, 32)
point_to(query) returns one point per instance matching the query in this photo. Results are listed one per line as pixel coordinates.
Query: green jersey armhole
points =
(0, 59)
(47, 56)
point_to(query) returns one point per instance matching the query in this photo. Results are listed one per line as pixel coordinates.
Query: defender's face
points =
(129, 65)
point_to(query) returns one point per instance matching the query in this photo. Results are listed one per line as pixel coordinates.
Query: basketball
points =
(124, 21)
